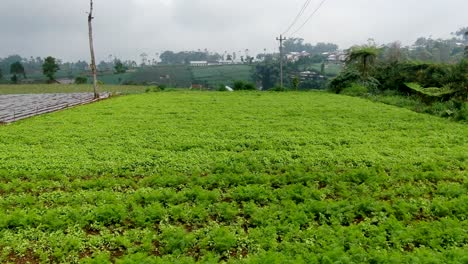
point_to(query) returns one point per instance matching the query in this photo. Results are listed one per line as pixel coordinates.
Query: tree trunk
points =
(91, 47)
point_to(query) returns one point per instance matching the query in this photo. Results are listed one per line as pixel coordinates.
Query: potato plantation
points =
(212, 177)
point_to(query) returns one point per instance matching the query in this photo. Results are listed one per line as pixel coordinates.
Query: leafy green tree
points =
(363, 57)
(1, 75)
(295, 83)
(50, 67)
(6, 63)
(119, 67)
(240, 86)
(81, 80)
(298, 45)
(14, 78)
(463, 33)
(267, 74)
(17, 69)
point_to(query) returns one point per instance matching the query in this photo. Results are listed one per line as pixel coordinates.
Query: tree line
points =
(17, 67)
(392, 75)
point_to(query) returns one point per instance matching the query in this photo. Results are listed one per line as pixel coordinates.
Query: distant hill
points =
(182, 75)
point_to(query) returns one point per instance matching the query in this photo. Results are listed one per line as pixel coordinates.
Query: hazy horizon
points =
(128, 28)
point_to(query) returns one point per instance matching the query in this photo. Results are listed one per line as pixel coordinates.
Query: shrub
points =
(462, 113)
(154, 89)
(249, 87)
(222, 88)
(81, 80)
(240, 86)
(356, 90)
(278, 88)
(343, 80)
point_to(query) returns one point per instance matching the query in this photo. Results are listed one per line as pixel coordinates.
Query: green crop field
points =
(212, 177)
(170, 75)
(225, 74)
(63, 88)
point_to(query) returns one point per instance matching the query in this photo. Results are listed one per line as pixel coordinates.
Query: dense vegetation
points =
(238, 177)
(436, 88)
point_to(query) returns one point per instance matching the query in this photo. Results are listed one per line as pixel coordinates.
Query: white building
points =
(295, 56)
(198, 63)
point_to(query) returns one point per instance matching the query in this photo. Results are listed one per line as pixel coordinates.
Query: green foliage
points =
(14, 78)
(81, 80)
(295, 83)
(298, 45)
(278, 88)
(119, 67)
(345, 79)
(363, 57)
(297, 178)
(50, 67)
(17, 69)
(240, 86)
(222, 88)
(267, 74)
(224, 74)
(154, 89)
(452, 109)
(430, 91)
(356, 90)
(429, 83)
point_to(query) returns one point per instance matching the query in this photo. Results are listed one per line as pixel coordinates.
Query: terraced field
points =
(185, 177)
(213, 76)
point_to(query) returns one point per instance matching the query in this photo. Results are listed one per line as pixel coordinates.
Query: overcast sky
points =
(127, 28)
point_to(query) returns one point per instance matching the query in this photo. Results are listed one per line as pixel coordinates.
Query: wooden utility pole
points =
(91, 47)
(281, 39)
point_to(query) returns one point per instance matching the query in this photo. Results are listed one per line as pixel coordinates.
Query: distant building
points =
(310, 75)
(225, 62)
(199, 63)
(337, 56)
(295, 56)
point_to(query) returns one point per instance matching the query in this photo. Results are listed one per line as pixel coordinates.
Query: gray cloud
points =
(127, 28)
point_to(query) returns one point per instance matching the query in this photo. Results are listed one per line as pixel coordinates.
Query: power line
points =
(310, 17)
(301, 12)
